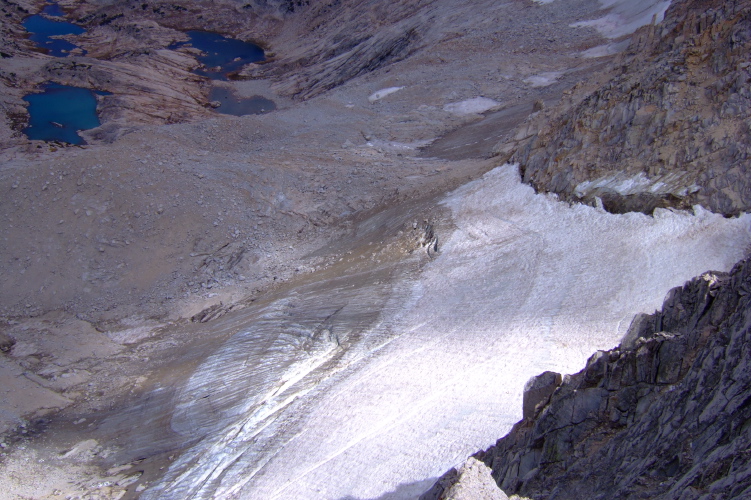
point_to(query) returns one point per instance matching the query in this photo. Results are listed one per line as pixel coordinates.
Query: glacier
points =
(372, 377)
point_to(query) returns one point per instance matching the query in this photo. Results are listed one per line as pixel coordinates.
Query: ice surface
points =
(625, 184)
(371, 383)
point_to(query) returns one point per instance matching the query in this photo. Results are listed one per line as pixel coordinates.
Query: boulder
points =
(471, 482)
(6, 342)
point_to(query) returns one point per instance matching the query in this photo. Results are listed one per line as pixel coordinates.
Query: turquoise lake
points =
(58, 113)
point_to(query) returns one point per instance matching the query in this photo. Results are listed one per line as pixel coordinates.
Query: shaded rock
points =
(6, 342)
(669, 129)
(365, 55)
(211, 312)
(663, 416)
(538, 391)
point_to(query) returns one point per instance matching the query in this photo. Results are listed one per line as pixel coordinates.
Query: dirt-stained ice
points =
(371, 384)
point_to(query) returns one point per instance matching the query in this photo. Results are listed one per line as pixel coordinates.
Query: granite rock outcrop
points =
(471, 482)
(664, 415)
(670, 129)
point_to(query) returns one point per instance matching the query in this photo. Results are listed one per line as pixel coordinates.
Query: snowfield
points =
(371, 383)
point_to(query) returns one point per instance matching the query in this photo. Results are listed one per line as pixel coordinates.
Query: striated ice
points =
(372, 383)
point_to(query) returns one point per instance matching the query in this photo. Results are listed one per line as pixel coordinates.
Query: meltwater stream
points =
(372, 379)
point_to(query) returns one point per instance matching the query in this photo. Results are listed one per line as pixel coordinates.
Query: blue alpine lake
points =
(43, 30)
(221, 55)
(230, 104)
(58, 113)
(53, 9)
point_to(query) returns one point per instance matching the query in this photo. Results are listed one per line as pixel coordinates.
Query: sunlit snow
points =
(377, 96)
(371, 384)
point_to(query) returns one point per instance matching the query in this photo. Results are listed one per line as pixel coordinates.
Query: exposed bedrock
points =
(671, 129)
(340, 56)
(664, 415)
(473, 481)
(154, 87)
(355, 47)
(12, 39)
(323, 44)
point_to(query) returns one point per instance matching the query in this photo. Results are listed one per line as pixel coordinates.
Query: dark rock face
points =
(538, 391)
(666, 415)
(12, 34)
(676, 116)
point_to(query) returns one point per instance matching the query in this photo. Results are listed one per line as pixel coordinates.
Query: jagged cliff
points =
(670, 129)
(665, 415)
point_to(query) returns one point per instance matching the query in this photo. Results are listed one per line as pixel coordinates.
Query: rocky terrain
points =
(323, 159)
(670, 129)
(118, 256)
(146, 226)
(664, 415)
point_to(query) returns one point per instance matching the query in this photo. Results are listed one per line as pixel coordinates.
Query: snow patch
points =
(608, 49)
(130, 335)
(626, 16)
(543, 79)
(672, 182)
(377, 96)
(471, 106)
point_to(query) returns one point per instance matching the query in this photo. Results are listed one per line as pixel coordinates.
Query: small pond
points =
(230, 104)
(221, 55)
(58, 113)
(44, 29)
